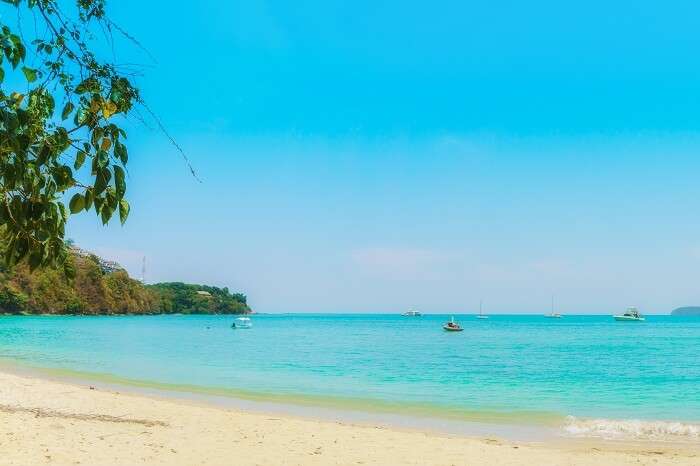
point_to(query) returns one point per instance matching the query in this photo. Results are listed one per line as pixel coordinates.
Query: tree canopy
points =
(100, 290)
(185, 298)
(60, 138)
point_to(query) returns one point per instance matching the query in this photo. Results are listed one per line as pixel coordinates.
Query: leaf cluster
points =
(60, 137)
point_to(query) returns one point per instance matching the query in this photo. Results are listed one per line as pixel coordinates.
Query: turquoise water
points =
(509, 367)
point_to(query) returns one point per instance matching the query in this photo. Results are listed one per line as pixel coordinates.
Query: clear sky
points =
(373, 156)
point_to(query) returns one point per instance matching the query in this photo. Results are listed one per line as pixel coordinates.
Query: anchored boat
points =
(452, 326)
(630, 315)
(242, 322)
(481, 314)
(412, 313)
(552, 314)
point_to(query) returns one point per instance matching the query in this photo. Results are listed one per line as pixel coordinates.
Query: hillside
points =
(197, 299)
(686, 311)
(102, 287)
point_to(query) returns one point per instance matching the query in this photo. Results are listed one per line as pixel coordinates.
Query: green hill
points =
(686, 311)
(198, 299)
(102, 287)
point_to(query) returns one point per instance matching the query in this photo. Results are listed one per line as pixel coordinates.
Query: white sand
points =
(48, 422)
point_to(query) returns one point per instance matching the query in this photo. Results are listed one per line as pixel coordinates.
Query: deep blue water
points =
(587, 366)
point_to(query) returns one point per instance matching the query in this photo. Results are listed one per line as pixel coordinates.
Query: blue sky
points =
(371, 156)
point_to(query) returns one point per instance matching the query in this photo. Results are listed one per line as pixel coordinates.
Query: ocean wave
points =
(632, 429)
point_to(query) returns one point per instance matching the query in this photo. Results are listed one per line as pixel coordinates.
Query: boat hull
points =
(451, 329)
(629, 319)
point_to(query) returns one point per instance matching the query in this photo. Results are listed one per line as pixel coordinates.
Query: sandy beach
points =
(49, 422)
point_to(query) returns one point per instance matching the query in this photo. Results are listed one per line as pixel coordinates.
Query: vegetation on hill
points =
(197, 299)
(686, 311)
(89, 288)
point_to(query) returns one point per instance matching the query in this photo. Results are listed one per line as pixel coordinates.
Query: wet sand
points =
(53, 422)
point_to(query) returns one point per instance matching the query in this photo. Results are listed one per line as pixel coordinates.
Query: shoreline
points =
(532, 426)
(51, 422)
(520, 428)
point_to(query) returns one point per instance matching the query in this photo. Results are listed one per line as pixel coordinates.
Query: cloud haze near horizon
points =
(317, 226)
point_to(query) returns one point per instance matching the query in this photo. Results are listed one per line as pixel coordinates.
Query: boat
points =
(552, 314)
(630, 315)
(452, 326)
(412, 313)
(242, 322)
(481, 314)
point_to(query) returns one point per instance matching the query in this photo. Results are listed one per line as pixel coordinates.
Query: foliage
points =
(58, 131)
(191, 299)
(12, 300)
(93, 291)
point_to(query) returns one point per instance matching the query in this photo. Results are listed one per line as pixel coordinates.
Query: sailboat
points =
(552, 314)
(481, 312)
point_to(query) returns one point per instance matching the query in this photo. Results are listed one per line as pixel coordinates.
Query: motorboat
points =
(452, 326)
(630, 315)
(242, 322)
(412, 313)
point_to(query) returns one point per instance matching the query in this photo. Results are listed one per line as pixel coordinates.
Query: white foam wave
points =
(632, 429)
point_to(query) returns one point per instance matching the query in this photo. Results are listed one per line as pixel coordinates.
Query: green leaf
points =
(29, 73)
(102, 158)
(106, 213)
(88, 85)
(101, 180)
(77, 203)
(67, 110)
(2, 75)
(120, 152)
(88, 199)
(119, 181)
(79, 159)
(123, 210)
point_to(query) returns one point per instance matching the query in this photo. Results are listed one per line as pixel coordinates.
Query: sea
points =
(578, 376)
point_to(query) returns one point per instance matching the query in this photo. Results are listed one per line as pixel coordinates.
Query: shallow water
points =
(509, 368)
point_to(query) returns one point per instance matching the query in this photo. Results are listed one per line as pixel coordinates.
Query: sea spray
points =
(632, 429)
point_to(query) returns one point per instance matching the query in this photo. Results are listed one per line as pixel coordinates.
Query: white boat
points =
(412, 313)
(630, 315)
(552, 314)
(242, 322)
(481, 314)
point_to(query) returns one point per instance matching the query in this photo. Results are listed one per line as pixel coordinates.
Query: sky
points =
(374, 156)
